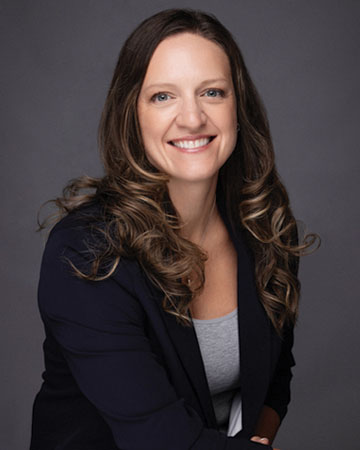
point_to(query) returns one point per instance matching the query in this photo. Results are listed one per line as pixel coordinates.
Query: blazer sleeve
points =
(99, 326)
(278, 395)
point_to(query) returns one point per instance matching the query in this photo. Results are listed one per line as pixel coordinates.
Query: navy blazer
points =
(120, 373)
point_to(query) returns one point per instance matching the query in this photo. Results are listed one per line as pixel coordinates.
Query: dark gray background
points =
(57, 61)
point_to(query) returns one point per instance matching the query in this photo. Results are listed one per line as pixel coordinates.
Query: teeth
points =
(192, 144)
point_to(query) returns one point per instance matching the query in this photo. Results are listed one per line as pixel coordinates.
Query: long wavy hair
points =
(136, 216)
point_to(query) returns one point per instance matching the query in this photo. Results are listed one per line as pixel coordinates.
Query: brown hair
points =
(137, 216)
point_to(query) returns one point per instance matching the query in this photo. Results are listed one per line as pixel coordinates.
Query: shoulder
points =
(63, 294)
(82, 230)
(78, 222)
(78, 237)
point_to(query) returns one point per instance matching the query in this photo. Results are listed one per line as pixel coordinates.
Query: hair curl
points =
(137, 217)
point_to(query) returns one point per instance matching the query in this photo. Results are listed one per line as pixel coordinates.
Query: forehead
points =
(187, 55)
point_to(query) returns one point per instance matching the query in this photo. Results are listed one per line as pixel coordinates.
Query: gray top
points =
(219, 345)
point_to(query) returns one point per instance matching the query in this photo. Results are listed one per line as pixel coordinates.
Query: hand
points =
(261, 440)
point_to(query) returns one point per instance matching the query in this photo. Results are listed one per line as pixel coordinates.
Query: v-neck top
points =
(219, 345)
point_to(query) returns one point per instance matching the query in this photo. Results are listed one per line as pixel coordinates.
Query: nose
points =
(191, 114)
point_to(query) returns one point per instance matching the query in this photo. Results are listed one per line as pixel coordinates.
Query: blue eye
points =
(215, 93)
(160, 97)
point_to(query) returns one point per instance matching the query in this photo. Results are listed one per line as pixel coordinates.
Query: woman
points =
(169, 293)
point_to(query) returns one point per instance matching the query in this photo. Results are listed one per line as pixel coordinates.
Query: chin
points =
(193, 177)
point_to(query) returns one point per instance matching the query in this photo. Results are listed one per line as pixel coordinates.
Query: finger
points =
(261, 440)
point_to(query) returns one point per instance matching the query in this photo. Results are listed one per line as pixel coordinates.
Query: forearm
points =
(268, 423)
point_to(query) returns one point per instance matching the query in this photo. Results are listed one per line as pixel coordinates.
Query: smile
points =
(189, 144)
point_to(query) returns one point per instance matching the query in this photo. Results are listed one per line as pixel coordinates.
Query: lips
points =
(192, 142)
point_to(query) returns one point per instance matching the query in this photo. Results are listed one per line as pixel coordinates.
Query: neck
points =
(196, 205)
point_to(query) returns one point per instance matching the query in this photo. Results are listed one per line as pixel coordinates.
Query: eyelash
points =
(219, 91)
(153, 98)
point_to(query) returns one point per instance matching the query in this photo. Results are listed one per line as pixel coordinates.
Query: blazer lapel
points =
(254, 334)
(186, 344)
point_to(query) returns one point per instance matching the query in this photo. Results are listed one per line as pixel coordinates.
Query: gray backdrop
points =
(57, 60)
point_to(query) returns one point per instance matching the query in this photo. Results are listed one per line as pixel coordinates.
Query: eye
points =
(214, 93)
(160, 97)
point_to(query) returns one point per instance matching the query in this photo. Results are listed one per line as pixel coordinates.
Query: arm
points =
(278, 396)
(100, 329)
(268, 424)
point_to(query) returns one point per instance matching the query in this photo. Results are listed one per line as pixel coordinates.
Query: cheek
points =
(229, 125)
(233, 116)
(152, 154)
(226, 118)
(151, 137)
(147, 128)
(152, 127)
(234, 123)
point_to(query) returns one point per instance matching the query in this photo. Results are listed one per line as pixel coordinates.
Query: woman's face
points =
(187, 108)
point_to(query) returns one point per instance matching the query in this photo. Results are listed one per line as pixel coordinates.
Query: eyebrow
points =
(162, 85)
